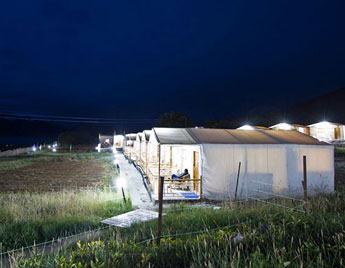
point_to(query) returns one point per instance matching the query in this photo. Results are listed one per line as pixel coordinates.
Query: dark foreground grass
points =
(203, 237)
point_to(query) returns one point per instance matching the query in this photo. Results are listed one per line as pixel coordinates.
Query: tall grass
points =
(199, 237)
(27, 218)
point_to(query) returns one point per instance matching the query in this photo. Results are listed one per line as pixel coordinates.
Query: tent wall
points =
(265, 169)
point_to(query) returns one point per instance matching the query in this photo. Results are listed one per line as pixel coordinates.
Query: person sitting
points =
(175, 177)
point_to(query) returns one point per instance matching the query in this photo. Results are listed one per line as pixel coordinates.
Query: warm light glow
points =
(49, 146)
(121, 183)
(325, 124)
(246, 127)
(54, 150)
(34, 148)
(284, 126)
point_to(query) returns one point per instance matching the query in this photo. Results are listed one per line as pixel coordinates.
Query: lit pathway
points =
(134, 183)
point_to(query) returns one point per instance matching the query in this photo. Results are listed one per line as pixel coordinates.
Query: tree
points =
(75, 137)
(175, 120)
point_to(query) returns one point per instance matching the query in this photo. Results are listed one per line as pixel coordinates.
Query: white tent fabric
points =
(265, 170)
(271, 161)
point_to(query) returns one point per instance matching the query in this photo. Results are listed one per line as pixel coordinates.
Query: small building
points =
(286, 126)
(327, 131)
(269, 162)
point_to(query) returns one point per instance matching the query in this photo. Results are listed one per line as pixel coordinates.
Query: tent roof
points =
(147, 134)
(325, 124)
(139, 136)
(287, 124)
(131, 137)
(231, 136)
(173, 136)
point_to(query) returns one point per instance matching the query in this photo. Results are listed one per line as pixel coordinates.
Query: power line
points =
(72, 119)
(76, 121)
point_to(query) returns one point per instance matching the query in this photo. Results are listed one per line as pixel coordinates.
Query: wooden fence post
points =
(305, 189)
(238, 176)
(160, 197)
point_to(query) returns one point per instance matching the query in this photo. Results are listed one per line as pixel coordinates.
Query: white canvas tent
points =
(119, 142)
(144, 149)
(129, 143)
(137, 147)
(327, 131)
(271, 161)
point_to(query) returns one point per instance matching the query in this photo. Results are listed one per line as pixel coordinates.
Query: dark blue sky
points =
(210, 59)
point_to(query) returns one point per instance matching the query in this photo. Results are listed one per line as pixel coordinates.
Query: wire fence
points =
(93, 231)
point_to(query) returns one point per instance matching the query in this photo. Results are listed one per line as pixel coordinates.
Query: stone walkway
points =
(134, 183)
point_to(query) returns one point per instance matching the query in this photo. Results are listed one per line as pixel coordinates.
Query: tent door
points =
(337, 133)
(195, 170)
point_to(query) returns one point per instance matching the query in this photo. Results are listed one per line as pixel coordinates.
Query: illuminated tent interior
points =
(119, 142)
(271, 161)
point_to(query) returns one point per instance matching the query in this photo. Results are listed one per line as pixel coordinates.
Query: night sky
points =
(138, 59)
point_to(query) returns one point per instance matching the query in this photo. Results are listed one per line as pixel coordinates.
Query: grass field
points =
(204, 237)
(244, 234)
(45, 196)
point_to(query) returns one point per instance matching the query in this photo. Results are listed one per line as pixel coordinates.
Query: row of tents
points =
(323, 131)
(224, 163)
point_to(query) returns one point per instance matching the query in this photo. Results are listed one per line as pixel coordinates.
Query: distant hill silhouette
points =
(329, 107)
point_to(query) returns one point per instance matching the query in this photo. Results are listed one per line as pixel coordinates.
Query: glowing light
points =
(121, 183)
(116, 162)
(98, 148)
(49, 146)
(284, 126)
(325, 124)
(34, 149)
(54, 150)
(246, 127)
